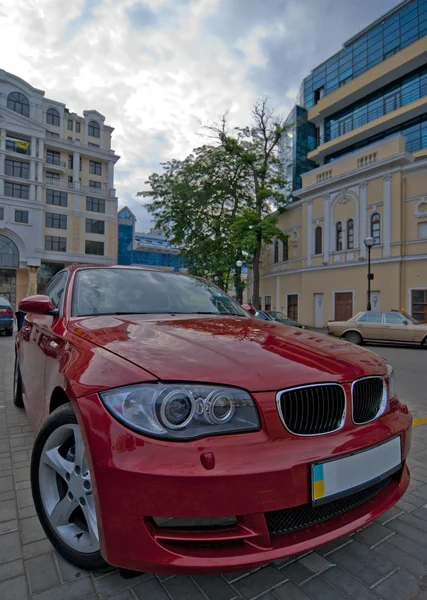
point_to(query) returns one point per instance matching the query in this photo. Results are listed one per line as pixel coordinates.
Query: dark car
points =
(264, 316)
(6, 316)
(284, 319)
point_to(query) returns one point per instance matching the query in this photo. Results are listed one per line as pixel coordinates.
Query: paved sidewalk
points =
(387, 560)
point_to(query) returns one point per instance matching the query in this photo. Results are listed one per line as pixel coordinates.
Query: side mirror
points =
(405, 322)
(39, 305)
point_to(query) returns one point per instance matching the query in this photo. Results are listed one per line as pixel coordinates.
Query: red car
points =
(177, 434)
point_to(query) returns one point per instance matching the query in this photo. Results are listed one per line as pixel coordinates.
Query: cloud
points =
(160, 69)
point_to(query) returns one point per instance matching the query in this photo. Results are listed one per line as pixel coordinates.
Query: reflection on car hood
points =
(249, 353)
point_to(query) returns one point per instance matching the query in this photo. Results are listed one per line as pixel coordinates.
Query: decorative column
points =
(362, 230)
(278, 294)
(33, 153)
(32, 281)
(387, 216)
(3, 99)
(76, 170)
(110, 174)
(309, 232)
(2, 158)
(326, 234)
(86, 131)
(41, 148)
(101, 138)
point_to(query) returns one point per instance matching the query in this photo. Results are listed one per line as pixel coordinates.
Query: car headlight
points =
(182, 412)
(391, 382)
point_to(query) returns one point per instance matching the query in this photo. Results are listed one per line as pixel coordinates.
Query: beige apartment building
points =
(58, 204)
(359, 170)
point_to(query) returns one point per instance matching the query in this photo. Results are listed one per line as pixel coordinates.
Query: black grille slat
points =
(367, 399)
(313, 410)
(288, 520)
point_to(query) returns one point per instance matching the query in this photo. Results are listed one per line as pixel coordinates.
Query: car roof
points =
(82, 267)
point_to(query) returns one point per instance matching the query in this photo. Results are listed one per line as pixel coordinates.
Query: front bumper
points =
(255, 474)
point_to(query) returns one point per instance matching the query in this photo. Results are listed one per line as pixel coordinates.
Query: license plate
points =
(343, 476)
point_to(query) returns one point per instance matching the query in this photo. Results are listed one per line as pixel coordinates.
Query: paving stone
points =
(10, 547)
(31, 530)
(316, 563)
(14, 589)
(24, 498)
(319, 589)
(289, 591)
(113, 583)
(408, 531)
(297, 572)
(125, 595)
(7, 526)
(238, 575)
(68, 571)
(327, 549)
(373, 535)
(348, 585)
(22, 474)
(6, 484)
(400, 586)
(260, 582)
(363, 563)
(7, 510)
(37, 548)
(75, 590)
(421, 513)
(5, 463)
(42, 573)
(415, 521)
(410, 547)
(28, 511)
(215, 587)
(11, 569)
(402, 559)
(5, 496)
(150, 590)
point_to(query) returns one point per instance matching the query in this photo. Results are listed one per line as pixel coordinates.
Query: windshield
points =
(278, 315)
(137, 291)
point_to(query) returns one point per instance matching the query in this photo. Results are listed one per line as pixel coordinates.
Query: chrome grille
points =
(312, 410)
(367, 399)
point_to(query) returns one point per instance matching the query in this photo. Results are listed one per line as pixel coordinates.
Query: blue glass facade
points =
(396, 31)
(301, 139)
(134, 248)
(401, 92)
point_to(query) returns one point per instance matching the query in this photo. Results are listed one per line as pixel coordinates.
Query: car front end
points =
(181, 489)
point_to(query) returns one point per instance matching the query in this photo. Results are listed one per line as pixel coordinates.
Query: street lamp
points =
(239, 291)
(369, 242)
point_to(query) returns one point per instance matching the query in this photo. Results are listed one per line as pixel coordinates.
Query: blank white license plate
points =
(343, 476)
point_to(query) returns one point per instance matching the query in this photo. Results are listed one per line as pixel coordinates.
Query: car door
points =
(370, 325)
(397, 328)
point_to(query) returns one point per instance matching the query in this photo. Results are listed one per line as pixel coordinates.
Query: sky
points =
(159, 70)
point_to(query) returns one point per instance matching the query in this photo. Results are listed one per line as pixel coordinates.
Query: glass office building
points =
(335, 118)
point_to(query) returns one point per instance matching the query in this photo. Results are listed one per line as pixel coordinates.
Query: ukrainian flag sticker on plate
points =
(341, 476)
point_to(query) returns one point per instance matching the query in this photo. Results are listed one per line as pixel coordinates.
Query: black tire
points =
(18, 400)
(354, 337)
(9, 332)
(64, 415)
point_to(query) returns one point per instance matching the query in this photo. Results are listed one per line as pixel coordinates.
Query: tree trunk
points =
(255, 276)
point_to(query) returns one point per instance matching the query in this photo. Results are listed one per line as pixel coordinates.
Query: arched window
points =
(376, 228)
(94, 129)
(285, 250)
(52, 117)
(18, 103)
(276, 252)
(339, 236)
(318, 240)
(350, 234)
(9, 254)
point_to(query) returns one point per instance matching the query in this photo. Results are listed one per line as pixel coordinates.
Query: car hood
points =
(244, 352)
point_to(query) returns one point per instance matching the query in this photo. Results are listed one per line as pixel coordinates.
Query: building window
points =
(267, 303)
(15, 168)
(292, 308)
(19, 146)
(53, 158)
(285, 251)
(95, 184)
(318, 240)
(52, 117)
(56, 220)
(95, 226)
(16, 190)
(94, 129)
(419, 305)
(95, 168)
(69, 139)
(376, 228)
(95, 205)
(70, 125)
(56, 197)
(21, 216)
(55, 243)
(70, 161)
(339, 236)
(92, 247)
(350, 234)
(77, 127)
(276, 252)
(93, 145)
(70, 179)
(51, 177)
(1, 213)
(18, 103)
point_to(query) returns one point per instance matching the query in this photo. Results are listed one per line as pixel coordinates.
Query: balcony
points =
(58, 166)
(68, 185)
(83, 189)
(75, 143)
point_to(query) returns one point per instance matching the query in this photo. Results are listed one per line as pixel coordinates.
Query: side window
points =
(370, 317)
(363, 318)
(56, 287)
(394, 319)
